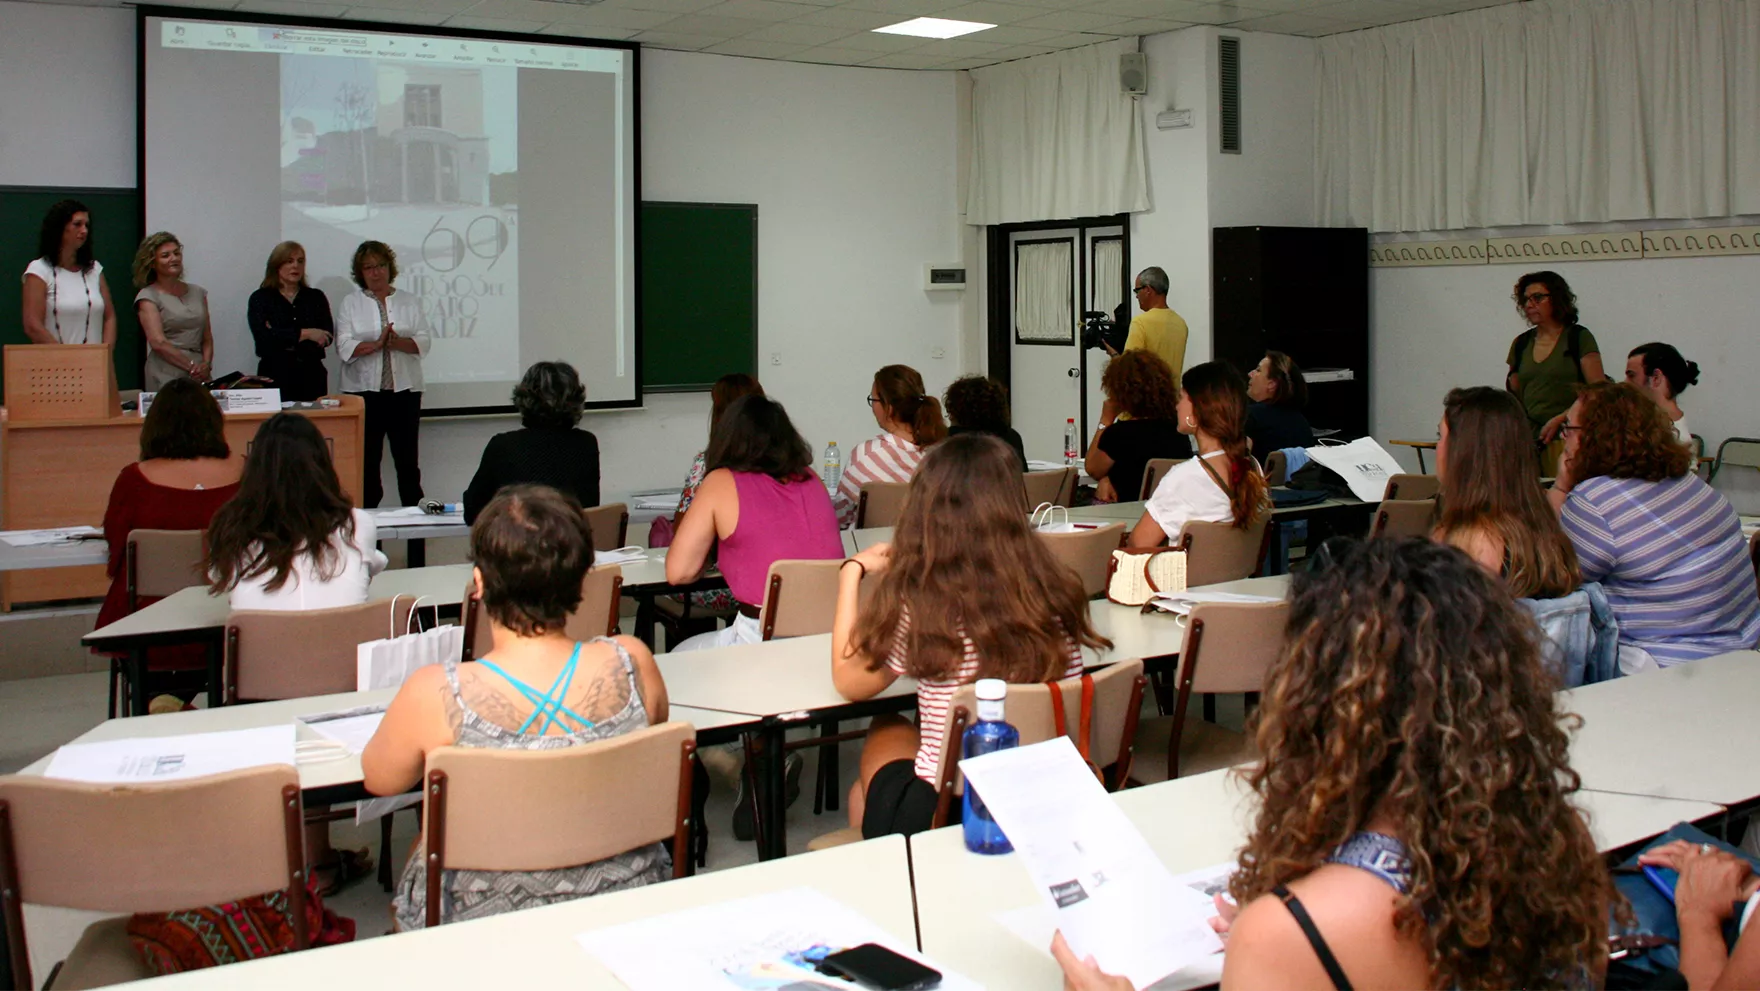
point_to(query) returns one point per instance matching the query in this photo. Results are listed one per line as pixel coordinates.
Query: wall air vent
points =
(1228, 69)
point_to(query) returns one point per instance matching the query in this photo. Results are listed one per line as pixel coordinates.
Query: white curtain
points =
(1108, 275)
(1053, 139)
(1550, 112)
(1043, 279)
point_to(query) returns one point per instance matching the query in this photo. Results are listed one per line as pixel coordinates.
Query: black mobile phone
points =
(874, 966)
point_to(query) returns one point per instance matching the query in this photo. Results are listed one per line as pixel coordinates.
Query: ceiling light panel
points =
(934, 27)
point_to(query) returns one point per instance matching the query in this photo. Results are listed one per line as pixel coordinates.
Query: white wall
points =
(853, 171)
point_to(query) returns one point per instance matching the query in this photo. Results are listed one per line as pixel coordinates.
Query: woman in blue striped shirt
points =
(1666, 547)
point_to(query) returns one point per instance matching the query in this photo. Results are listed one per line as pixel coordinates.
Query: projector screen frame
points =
(143, 12)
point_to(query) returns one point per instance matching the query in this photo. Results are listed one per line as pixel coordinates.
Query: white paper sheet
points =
(351, 727)
(1182, 602)
(1036, 924)
(172, 758)
(58, 535)
(1115, 901)
(664, 503)
(764, 941)
(622, 555)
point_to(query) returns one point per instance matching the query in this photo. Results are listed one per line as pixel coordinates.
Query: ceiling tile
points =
(799, 34)
(882, 43)
(904, 9)
(1018, 52)
(959, 48)
(390, 16)
(1142, 26)
(1074, 39)
(672, 39)
(1258, 8)
(834, 56)
(204, 4)
(1216, 13)
(848, 17)
(758, 10)
(291, 8)
(599, 32)
(617, 17)
(1008, 34)
(1292, 23)
(1368, 10)
(675, 6)
(967, 63)
(1071, 20)
(1165, 9)
(755, 49)
(720, 28)
(985, 12)
(904, 60)
(493, 24)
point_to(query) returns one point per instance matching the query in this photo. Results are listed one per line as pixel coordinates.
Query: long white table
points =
(1191, 823)
(62, 554)
(1688, 732)
(538, 948)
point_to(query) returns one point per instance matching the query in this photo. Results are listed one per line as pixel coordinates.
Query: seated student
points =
(1667, 548)
(548, 449)
(977, 404)
(1138, 422)
(909, 422)
(536, 690)
(1278, 391)
(964, 592)
(291, 539)
(1661, 372)
(762, 502)
(1223, 484)
(1362, 869)
(1492, 505)
(1714, 886)
(186, 472)
(726, 389)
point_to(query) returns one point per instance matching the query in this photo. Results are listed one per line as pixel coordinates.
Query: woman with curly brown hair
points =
(1138, 423)
(1415, 827)
(1666, 548)
(964, 591)
(1223, 484)
(1549, 359)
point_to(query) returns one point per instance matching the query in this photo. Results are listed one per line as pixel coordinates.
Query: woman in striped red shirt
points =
(965, 591)
(909, 422)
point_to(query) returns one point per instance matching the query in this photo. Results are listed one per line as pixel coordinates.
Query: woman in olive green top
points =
(1548, 361)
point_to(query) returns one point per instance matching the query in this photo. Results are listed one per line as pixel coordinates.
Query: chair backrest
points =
(1740, 451)
(160, 562)
(1087, 553)
(1153, 472)
(596, 616)
(880, 504)
(1118, 695)
(532, 810)
(1754, 553)
(1412, 487)
(1056, 486)
(291, 654)
(101, 847)
(800, 598)
(1405, 518)
(1229, 647)
(1221, 552)
(1276, 468)
(610, 525)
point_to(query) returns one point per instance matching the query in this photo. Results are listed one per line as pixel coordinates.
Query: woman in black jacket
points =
(548, 449)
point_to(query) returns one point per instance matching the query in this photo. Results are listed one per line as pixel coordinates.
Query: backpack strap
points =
(1084, 720)
(1573, 347)
(1523, 341)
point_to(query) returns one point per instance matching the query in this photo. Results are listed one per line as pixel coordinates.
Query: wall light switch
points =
(776, 357)
(937, 352)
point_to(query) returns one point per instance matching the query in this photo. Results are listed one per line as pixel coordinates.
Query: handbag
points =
(660, 532)
(1084, 720)
(1133, 576)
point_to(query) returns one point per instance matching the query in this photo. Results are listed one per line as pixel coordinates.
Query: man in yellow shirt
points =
(1157, 328)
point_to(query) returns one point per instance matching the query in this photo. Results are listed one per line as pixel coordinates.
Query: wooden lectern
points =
(64, 439)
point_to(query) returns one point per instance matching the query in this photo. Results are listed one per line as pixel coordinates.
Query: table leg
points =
(417, 553)
(214, 676)
(137, 682)
(773, 793)
(1421, 469)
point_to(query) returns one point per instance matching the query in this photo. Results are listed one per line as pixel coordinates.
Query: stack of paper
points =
(664, 502)
(145, 760)
(622, 555)
(1181, 603)
(58, 535)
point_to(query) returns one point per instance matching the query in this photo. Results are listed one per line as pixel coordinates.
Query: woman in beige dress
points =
(173, 315)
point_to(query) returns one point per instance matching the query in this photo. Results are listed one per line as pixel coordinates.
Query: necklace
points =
(55, 296)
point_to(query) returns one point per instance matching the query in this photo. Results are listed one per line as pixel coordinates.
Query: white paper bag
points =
(1364, 465)
(1045, 519)
(386, 663)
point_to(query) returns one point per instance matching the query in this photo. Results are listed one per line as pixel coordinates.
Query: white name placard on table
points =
(232, 400)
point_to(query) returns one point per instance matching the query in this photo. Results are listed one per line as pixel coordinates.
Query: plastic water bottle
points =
(435, 507)
(1069, 441)
(988, 735)
(833, 470)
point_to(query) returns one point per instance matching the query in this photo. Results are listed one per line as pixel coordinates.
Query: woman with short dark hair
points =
(548, 449)
(979, 404)
(1660, 371)
(381, 336)
(537, 689)
(185, 473)
(1278, 394)
(1667, 548)
(1549, 360)
(761, 502)
(291, 325)
(66, 300)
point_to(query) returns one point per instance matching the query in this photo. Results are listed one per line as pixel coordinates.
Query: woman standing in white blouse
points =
(65, 298)
(1223, 484)
(381, 337)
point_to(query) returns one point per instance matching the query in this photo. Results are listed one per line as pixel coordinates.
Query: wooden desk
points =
(1420, 446)
(60, 472)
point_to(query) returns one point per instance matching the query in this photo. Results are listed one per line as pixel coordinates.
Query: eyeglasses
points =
(1568, 426)
(1531, 298)
(872, 400)
(1139, 289)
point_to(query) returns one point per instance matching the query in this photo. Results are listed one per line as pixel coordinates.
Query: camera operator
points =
(1157, 328)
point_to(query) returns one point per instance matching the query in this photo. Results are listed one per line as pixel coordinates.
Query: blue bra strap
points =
(547, 704)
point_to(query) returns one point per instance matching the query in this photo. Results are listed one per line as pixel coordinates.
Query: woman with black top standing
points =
(548, 449)
(1275, 420)
(291, 324)
(1138, 422)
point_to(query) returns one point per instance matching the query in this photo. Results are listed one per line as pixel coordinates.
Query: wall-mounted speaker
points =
(1133, 73)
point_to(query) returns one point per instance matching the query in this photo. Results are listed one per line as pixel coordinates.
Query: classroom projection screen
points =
(501, 169)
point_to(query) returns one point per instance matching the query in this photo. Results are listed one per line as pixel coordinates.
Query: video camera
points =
(1100, 330)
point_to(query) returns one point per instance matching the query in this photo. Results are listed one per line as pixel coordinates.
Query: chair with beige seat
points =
(1153, 472)
(880, 504)
(155, 563)
(1229, 647)
(102, 848)
(596, 616)
(1412, 487)
(274, 654)
(1087, 553)
(1056, 486)
(609, 524)
(1222, 552)
(1276, 468)
(534, 810)
(1112, 731)
(1405, 518)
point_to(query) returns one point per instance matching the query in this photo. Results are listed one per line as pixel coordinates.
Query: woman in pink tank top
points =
(762, 501)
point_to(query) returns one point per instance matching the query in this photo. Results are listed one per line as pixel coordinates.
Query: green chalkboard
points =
(699, 294)
(116, 232)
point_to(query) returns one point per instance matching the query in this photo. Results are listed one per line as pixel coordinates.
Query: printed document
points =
(150, 759)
